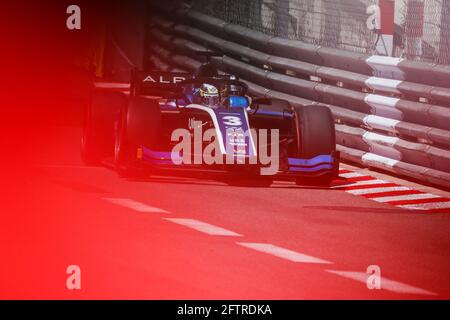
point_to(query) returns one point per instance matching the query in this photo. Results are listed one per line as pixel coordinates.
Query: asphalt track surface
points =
(169, 237)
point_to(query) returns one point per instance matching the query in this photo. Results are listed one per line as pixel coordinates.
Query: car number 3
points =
(232, 121)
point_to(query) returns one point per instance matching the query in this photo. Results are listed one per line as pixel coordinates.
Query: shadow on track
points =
(247, 183)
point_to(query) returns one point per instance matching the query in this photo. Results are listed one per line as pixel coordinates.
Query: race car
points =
(207, 122)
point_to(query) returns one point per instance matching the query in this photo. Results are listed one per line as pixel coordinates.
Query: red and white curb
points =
(391, 193)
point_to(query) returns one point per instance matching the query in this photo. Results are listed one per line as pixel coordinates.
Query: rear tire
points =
(138, 126)
(97, 141)
(315, 136)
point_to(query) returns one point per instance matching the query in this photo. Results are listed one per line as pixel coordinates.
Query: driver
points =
(208, 95)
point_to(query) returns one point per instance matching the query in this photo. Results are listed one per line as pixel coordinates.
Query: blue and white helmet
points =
(209, 94)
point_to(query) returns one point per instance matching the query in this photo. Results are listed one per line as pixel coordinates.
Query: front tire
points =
(315, 136)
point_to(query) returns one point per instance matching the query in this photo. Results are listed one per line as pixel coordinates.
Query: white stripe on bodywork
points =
(216, 123)
(217, 127)
(204, 227)
(283, 253)
(386, 284)
(254, 154)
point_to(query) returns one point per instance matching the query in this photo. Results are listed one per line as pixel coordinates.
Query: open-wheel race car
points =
(207, 122)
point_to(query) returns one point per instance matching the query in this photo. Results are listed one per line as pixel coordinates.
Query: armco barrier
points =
(391, 113)
(436, 75)
(260, 76)
(375, 64)
(436, 116)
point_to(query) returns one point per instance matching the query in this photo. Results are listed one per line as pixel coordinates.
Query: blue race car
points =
(206, 122)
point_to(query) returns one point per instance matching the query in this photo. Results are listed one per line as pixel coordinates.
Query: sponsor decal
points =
(236, 147)
(163, 79)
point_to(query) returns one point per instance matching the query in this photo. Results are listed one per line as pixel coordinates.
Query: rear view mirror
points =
(256, 102)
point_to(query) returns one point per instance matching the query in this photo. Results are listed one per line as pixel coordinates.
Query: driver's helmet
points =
(209, 95)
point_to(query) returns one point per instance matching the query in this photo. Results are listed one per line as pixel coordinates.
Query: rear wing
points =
(156, 83)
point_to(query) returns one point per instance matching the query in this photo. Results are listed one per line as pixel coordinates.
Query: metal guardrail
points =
(402, 126)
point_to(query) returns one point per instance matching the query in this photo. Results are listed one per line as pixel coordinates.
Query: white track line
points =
(417, 196)
(376, 190)
(386, 284)
(283, 253)
(204, 227)
(135, 205)
(427, 206)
